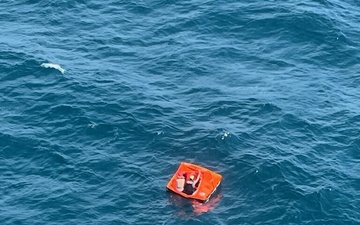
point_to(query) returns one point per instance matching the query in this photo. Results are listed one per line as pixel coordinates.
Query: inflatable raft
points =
(207, 183)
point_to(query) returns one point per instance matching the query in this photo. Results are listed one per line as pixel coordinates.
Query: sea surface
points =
(266, 93)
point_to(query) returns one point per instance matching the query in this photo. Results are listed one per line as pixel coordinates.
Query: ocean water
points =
(265, 93)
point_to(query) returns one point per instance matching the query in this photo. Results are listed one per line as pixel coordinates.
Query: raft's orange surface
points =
(208, 183)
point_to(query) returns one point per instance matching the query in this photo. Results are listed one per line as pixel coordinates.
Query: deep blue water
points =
(264, 92)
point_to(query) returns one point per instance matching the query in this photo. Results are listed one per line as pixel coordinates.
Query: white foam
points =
(54, 66)
(92, 125)
(225, 135)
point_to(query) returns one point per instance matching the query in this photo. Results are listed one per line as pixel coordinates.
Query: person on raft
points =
(180, 182)
(191, 183)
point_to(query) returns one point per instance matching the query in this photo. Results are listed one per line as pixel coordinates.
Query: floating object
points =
(206, 186)
(53, 66)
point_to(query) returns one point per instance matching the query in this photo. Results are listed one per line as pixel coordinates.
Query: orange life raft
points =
(206, 186)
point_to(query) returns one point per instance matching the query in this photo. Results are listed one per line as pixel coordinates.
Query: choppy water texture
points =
(264, 92)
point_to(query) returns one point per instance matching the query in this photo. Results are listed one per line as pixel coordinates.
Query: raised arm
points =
(197, 178)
